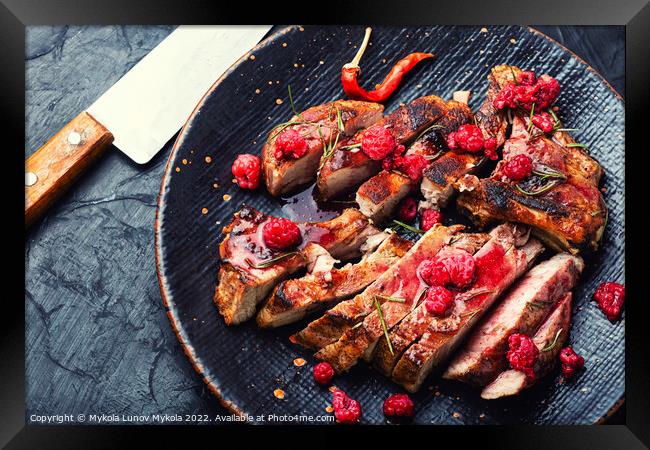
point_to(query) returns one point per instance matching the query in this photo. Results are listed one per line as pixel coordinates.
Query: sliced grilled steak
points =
(550, 337)
(294, 299)
(378, 197)
(344, 170)
(335, 321)
(568, 214)
(245, 280)
(491, 121)
(497, 267)
(318, 125)
(482, 357)
(404, 284)
(506, 244)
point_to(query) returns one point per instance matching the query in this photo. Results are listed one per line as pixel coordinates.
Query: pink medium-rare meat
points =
(507, 237)
(549, 340)
(482, 357)
(497, 267)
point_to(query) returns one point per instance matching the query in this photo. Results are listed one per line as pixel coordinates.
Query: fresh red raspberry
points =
(412, 166)
(428, 218)
(433, 272)
(247, 170)
(346, 410)
(281, 234)
(461, 268)
(526, 96)
(571, 361)
(544, 121)
(506, 97)
(468, 137)
(377, 142)
(549, 89)
(323, 373)
(610, 297)
(407, 210)
(527, 78)
(522, 354)
(490, 149)
(399, 150)
(399, 405)
(290, 143)
(438, 300)
(518, 168)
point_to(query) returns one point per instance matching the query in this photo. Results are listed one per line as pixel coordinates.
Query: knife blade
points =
(139, 113)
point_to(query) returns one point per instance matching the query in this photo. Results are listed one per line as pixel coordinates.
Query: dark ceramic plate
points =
(243, 365)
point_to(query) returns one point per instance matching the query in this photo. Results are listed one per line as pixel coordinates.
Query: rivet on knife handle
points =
(51, 170)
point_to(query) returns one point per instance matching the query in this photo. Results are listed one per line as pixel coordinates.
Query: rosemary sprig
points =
(555, 118)
(514, 77)
(383, 325)
(583, 146)
(272, 261)
(435, 126)
(548, 172)
(540, 191)
(530, 119)
(419, 297)
(350, 147)
(471, 313)
(293, 107)
(357, 325)
(408, 227)
(551, 346)
(434, 157)
(470, 295)
(391, 299)
(328, 149)
(539, 303)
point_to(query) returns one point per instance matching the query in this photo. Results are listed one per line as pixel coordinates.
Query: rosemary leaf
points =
(383, 324)
(435, 126)
(408, 227)
(419, 297)
(470, 295)
(471, 313)
(391, 299)
(272, 261)
(514, 77)
(350, 147)
(539, 191)
(530, 118)
(552, 345)
(583, 146)
(293, 107)
(555, 118)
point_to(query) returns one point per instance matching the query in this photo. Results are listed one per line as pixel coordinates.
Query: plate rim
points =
(165, 292)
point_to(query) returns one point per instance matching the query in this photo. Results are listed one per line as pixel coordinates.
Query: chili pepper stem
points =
(354, 64)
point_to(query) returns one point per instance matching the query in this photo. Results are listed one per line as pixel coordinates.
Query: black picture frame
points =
(15, 15)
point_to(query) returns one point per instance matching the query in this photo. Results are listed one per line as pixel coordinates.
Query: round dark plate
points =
(243, 365)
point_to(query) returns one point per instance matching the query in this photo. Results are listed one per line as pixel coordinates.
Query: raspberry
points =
(399, 405)
(377, 142)
(522, 354)
(407, 210)
(290, 143)
(505, 97)
(467, 137)
(281, 234)
(490, 150)
(433, 273)
(527, 78)
(571, 361)
(346, 410)
(411, 165)
(518, 168)
(461, 268)
(247, 170)
(323, 373)
(549, 89)
(428, 218)
(438, 300)
(525, 96)
(610, 297)
(544, 122)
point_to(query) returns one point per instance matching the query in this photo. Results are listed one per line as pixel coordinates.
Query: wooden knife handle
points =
(56, 165)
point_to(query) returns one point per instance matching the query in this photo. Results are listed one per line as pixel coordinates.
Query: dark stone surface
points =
(97, 338)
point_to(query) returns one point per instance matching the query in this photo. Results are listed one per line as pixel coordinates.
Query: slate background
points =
(97, 338)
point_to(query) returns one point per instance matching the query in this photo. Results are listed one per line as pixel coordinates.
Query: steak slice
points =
(335, 321)
(243, 283)
(551, 337)
(292, 300)
(318, 125)
(418, 321)
(345, 169)
(379, 196)
(404, 284)
(497, 267)
(521, 311)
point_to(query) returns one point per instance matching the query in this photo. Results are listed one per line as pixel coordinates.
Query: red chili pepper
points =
(388, 86)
